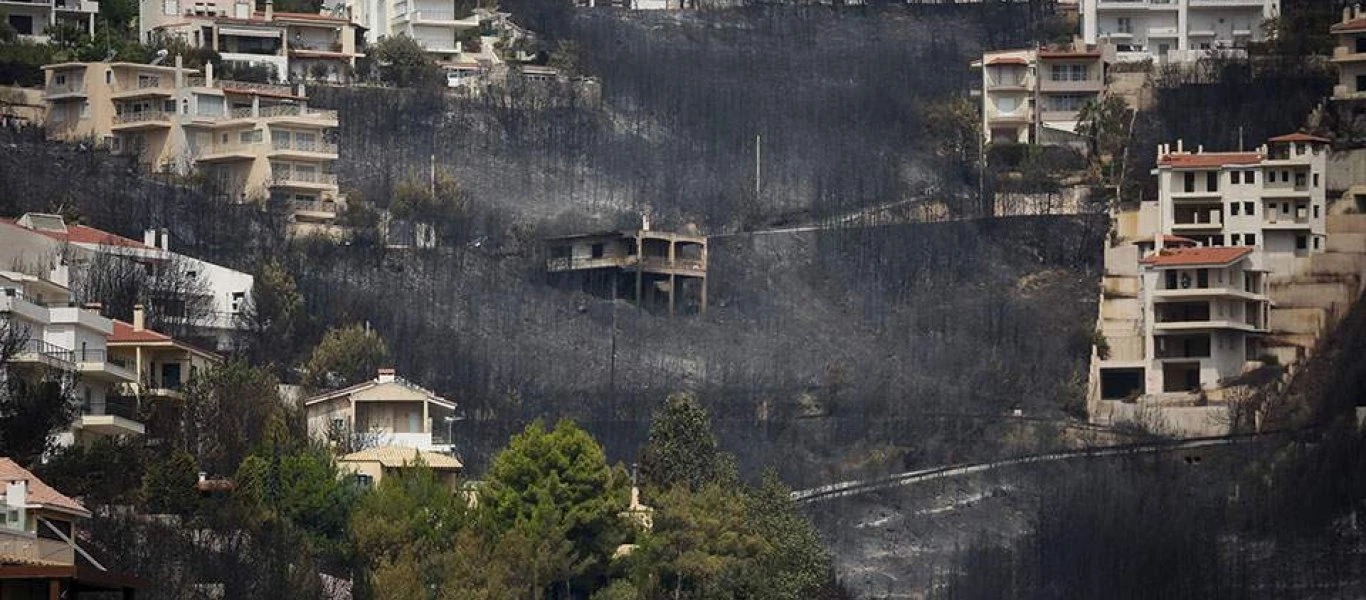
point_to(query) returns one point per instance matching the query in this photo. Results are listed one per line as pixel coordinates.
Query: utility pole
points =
(758, 171)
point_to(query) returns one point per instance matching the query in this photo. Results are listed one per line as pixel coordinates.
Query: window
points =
(85, 110)
(1301, 242)
(1361, 45)
(1190, 182)
(1124, 25)
(167, 106)
(364, 480)
(1233, 209)
(1285, 176)
(597, 251)
(1202, 278)
(1006, 105)
(1249, 208)
(338, 423)
(1285, 208)
(1171, 281)
(1235, 176)
(1216, 240)
(1316, 180)
(1251, 177)
(59, 79)
(237, 299)
(1316, 243)
(249, 136)
(169, 7)
(1251, 239)
(108, 77)
(1235, 240)
(1058, 73)
(1079, 73)
(22, 24)
(1300, 180)
(1212, 181)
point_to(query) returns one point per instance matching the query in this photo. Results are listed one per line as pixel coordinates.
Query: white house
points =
(1175, 30)
(386, 411)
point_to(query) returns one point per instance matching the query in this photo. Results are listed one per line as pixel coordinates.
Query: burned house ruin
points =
(661, 271)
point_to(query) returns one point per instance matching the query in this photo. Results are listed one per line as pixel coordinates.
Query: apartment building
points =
(1271, 198)
(37, 20)
(163, 364)
(1168, 31)
(64, 252)
(259, 142)
(385, 411)
(295, 46)
(65, 341)
(1350, 54)
(659, 269)
(1036, 95)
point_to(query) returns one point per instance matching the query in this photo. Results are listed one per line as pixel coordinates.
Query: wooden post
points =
(54, 589)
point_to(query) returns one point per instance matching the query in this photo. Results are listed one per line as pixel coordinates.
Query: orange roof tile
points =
(38, 492)
(1176, 257)
(1349, 26)
(123, 332)
(80, 234)
(1299, 137)
(1209, 159)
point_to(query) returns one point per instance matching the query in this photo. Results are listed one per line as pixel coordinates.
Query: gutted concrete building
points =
(659, 270)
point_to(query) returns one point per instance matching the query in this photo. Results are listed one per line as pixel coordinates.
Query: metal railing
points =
(149, 82)
(314, 145)
(317, 206)
(142, 116)
(113, 405)
(240, 113)
(73, 87)
(287, 175)
(48, 350)
(101, 356)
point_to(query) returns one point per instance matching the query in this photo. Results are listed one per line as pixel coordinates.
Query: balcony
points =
(14, 302)
(84, 6)
(304, 210)
(1048, 84)
(1053, 116)
(147, 86)
(230, 152)
(142, 120)
(70, 89)
(1197, 293)
(1226, 3)
(309, 180)
(293, 147)
(1009, 84)
(1019, 116)
(99, 364)
(39, 352)
(1344, 54)
(678, 266)
(113, 417)
(28, 546)
(1277, 220)
(1206, 325)
(1197, 222)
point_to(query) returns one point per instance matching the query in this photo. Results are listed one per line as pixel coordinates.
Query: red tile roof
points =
(1349, 26)
(80, 234)
(38, 492)
(1299, 137)
(1069, 54)
(124, 333)
(1176, 257)
(1209, 159)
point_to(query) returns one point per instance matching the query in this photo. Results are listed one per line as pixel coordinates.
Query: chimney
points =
(16, 493)
(165, 240)
(1180, 146)
(1200, 149)
(139, 317)
(149, 238)
(270, 10)
(203, 477)
(385, 376)
(1346, 14)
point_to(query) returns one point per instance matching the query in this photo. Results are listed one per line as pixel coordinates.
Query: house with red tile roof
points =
(164, 365)
(38, 544)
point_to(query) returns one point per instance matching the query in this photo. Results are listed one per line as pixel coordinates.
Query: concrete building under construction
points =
(661, 271)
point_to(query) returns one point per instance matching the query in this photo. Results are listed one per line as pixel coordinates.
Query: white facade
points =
(1175, 30)
(35, 20)
(61, 337)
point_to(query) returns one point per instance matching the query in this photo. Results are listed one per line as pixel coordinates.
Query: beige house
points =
(164, 365)
(259, 142)
(37, 20)
(39, 556)
(1036, 95)
(370, 466)
(387, 411)
(1350, 54)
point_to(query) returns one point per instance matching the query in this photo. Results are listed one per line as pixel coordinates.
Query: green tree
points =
(701, 547)
(682, 449)
(228, 412)
(555, 488)
(297, 480)
(169, 486)
(272, 317)
(404, 63)
(345, 356)
(106, 471)
(1105, 126)
(35, 404)
(794, 562)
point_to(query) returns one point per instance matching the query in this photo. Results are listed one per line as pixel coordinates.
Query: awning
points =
(264, 33)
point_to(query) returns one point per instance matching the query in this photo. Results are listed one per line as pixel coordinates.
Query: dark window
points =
(22, 24)
(1249, 208)
(1212, 181)
(1316, 180)
(1235, 240)
(1190, 182)
(1361, 45)
(1316, 243)
(170, 376)
(1233, 208)
(1202, 278)
(1171, 280)
(597, 250)
(1361, 79)
(46, 532)
(1299, 179)
(1251, 177)
(1285, 208)
(1236, 177)
(1251, 239)
(1301, 242)
(364, 480)
(1316, 211)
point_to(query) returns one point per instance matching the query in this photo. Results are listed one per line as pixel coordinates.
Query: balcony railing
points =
(293, 143)
(115, 406)
(287, 176)
(101, 356)
(142, 117)
(45, 349)
(70, 87)
(317, 206)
